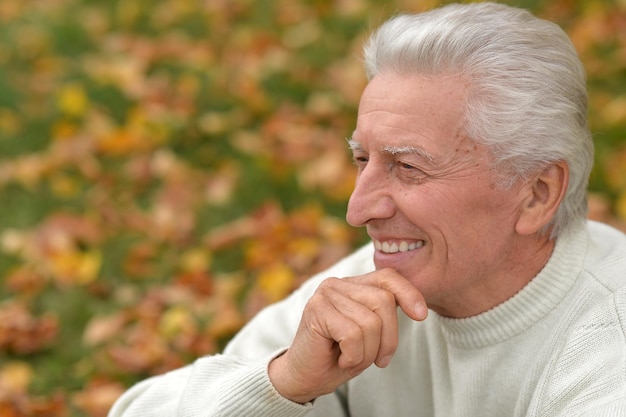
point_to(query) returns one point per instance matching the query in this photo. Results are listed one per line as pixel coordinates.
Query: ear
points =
(544, 196)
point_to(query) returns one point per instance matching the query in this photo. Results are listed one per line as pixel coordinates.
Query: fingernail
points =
(384, 361)
(421, 311)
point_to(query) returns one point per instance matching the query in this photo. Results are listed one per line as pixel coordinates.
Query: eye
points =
(407, 166)
(410, 172)
(360, 160)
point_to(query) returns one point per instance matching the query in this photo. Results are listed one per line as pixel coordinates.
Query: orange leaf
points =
(15, 377)
(97, 397)
(101, 329)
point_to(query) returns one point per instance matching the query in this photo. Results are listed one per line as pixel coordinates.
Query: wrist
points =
(280, 377)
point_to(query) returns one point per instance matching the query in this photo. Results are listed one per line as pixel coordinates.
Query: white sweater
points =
(557, 348)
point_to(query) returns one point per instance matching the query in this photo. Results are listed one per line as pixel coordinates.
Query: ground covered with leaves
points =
(168, 168)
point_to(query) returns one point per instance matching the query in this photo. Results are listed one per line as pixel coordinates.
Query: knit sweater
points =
(556, 348)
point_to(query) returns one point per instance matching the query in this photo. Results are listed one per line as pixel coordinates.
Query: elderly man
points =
(484, 292)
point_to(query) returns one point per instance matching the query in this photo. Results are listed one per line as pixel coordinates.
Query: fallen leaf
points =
(72, 100)
(15, 378)
(100, 329)
(276, 281)
(97, 398)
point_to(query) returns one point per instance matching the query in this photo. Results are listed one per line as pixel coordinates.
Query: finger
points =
(375, 311)
(354, 325)
(407, 297)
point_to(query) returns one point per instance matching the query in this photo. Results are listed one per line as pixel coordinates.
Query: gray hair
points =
(527, 99)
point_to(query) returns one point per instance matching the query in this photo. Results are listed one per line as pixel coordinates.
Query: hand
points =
(347, 325)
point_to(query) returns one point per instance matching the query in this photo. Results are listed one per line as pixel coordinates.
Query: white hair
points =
(527, 97)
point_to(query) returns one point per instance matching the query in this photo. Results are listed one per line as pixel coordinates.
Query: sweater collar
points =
(529, 305)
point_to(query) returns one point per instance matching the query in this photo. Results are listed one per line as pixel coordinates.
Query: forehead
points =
(412, 111)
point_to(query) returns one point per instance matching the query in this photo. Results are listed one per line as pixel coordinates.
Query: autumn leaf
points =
(23, 333)
(169, 169)
(72, 100)
(74, 267)
(176, 320)
(276, 281)
(96, 399)
(15, 378)
(25, 281)
(101, 329)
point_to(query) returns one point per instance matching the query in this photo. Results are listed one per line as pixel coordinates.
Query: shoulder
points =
(606, 255)
(587, 367)
(607, 246)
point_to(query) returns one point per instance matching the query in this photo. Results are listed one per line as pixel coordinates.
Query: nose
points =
(371, 198)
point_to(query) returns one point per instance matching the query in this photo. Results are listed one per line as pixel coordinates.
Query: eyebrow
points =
(396, 150)
(354, 145)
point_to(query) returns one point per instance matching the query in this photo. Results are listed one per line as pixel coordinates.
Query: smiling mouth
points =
(393, 247)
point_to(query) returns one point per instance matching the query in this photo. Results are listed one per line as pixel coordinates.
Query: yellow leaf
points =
(76, 267)
(307, 247)
(89, 266)
(195, 260)
(72, 100)
(175, 320)
(276, 281)
(15, 377)
(63, 185)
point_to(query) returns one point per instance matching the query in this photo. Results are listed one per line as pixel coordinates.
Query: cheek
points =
(428, 203)
(469, 210)
(487, 218)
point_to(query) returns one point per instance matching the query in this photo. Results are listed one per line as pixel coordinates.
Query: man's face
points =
(426, 195)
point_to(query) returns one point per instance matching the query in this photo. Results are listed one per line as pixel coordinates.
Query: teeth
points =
(394, 247)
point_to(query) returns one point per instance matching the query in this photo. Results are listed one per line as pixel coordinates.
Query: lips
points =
(397, 246)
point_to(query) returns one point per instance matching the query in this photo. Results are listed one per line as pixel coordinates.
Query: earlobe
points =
(544, 196)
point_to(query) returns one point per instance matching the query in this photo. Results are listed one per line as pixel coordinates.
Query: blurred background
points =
(169, 167)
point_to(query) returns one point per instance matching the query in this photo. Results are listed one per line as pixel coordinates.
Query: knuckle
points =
(387, 274)
(387, 298)
(383, 303)
(352, 334)
(389, 279)
(371, 322)
(317, 302)
(328, 283)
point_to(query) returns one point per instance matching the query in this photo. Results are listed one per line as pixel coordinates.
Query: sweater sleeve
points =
(236, 383)
(218, 385)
